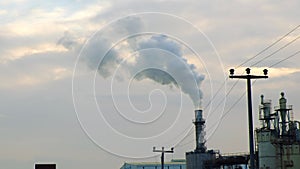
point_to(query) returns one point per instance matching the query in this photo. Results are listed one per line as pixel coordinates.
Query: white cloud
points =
(3, 12)
(59, 73)
(279, 72)
(12, 2)
(20, 52)
(29, 79)
(88, 12)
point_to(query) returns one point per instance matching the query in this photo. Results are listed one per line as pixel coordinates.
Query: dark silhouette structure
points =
(45, 166)
(163, 151)
(249, 77)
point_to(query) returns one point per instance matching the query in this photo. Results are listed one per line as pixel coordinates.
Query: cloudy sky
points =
(97, 83)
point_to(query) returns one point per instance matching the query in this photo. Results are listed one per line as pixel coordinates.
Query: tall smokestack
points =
(199, 123)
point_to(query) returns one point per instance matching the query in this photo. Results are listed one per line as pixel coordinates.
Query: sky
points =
(88, 84)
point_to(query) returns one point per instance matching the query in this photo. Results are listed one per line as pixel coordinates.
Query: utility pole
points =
(250, 118)
(163, 151)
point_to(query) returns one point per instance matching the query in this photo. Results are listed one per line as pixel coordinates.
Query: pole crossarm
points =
(247, 77)
(163, 151)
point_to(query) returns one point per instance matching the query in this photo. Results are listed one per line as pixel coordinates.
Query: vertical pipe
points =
(250, 123)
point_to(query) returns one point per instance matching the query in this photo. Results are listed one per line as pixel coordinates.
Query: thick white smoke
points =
(153, 60)
(177, 71)
(157, 57)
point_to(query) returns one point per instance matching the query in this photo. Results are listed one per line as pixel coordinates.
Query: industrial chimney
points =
(197, 159)
(199, 123)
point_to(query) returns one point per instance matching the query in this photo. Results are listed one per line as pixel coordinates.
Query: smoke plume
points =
(156, 57)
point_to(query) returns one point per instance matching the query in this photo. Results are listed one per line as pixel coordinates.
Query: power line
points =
(286, 45)
(190, 132)
(218, 105)
(285, 59)
(232, 106)
(259, 53)
(215, 94)
(233, 86)
(237, 101)
(187, 143)
(181, 145)
(189, 129)
(268, 57)
(268, 47)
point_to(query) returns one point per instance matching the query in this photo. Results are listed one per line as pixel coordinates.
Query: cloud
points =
(29, 79)
(278, 72)
(18, 53)
(89, 11)
(70, 40)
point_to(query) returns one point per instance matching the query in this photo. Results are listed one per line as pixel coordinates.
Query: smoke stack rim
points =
(198, 115)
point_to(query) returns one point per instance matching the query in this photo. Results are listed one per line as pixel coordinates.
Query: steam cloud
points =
(152, 59)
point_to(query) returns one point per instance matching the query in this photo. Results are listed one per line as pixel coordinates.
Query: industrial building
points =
(278, 138)
(277, 144)
(201, 158)
(173, 164)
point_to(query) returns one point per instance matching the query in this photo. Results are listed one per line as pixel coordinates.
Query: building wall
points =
(275, 155)
(153, 166)
(291, 156)
(266, 150)
(195, 160)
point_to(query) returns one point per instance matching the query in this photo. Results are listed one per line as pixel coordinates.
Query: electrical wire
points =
(268, 47)
(286, 45)
(259, 53)
(215, 94)
(244, 93)
(189, 129)
(219, 104)
(259, 62)
(190, 132)
(232, 106)
(275, 64)
(187, 143)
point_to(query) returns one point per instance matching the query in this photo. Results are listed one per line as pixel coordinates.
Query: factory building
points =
(201, 158)
(200, 155)
(173, 164)
(278, 138)
(277, 143)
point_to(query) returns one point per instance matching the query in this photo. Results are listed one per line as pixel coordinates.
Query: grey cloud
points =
(68, 41)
